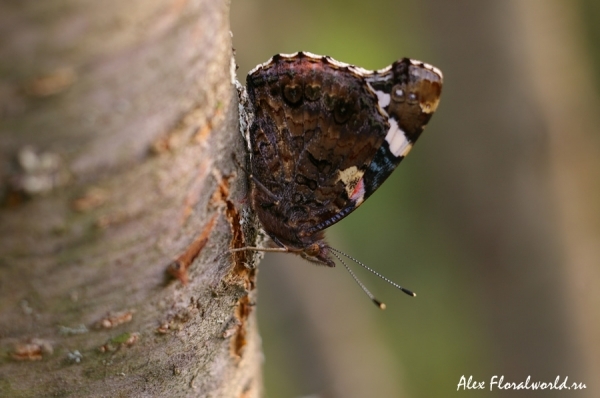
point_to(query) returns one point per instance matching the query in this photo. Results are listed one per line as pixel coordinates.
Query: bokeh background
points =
(493, 219)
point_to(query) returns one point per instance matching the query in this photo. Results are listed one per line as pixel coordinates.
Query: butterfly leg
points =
(281, 249)
(261, 249)
(256, 182)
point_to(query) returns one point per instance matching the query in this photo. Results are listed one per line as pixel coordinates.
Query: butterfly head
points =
(318, 253)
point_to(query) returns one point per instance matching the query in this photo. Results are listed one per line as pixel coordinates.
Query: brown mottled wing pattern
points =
(317, 128)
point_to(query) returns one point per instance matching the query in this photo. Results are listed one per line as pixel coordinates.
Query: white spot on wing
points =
(350, 177)
(336, 62)
(383, 99)
(360, 71)
(396, 139)
(384, 70)
(260, 66)
(270, 61)
(312, 55)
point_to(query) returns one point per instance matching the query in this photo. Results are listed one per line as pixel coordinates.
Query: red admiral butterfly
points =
(325, 136)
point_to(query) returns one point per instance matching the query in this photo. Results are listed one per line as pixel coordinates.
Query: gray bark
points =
(118, 122)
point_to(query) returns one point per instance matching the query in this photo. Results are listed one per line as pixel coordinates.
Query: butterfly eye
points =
(313, 250)
(292, 93)
(398, 94)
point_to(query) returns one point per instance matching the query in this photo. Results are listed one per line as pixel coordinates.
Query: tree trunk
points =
(118, 123)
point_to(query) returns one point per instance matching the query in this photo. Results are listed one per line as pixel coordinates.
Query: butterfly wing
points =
(327, 134)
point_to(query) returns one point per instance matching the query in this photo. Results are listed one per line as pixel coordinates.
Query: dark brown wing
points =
(317, 128)
(327, 134)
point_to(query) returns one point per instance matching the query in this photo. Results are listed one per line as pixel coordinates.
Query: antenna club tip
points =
(414, 294)
(379, 304)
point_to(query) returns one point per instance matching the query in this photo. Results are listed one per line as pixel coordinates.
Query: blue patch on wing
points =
(384, 162)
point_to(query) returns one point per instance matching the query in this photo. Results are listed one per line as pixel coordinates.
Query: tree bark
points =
(118, 123)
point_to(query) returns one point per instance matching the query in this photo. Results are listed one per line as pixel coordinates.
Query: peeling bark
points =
(118, 125)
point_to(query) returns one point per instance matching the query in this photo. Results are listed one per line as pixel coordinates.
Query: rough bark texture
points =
(118, 125)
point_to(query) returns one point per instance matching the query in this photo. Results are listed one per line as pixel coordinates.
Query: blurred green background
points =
(493, 219)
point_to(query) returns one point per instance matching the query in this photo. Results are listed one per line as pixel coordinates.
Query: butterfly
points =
(325, 136)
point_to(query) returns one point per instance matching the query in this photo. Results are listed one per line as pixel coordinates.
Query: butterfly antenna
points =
(410, 293)
(378, 303)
